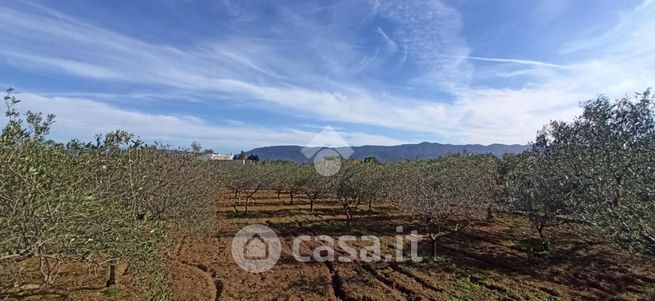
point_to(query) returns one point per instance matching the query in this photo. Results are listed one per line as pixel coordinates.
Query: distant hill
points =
(425, 150)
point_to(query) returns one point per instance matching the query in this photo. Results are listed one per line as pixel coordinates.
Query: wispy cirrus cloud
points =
(76, 116)
(516, 61)
(326, 72)
(64, 65)
(430, 31)
(127, 59)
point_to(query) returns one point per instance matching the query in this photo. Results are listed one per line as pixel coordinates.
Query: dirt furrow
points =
(406, 291)
(396, 267)
(208, 273)
(494, 287)
(335, 283)
(384, 279)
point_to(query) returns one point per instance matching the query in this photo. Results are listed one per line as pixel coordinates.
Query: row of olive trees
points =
(355, 184)
(597, 172)
(102, 202)
(446, 194)
(598, 169)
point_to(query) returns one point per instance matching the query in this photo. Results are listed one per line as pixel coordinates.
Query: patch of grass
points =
(465, 283)
(542, 254)
(337, 227)
(301, 212)
(113, 292)
(482, 277)
(444, 263)
(410, 263)
(441, 260)
(535, 248)
(236, 214)
(31, 265)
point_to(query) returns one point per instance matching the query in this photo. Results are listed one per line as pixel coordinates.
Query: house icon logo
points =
(327, 149)
(256, 248)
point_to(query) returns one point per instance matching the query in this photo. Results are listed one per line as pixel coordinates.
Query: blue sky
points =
(240, 74)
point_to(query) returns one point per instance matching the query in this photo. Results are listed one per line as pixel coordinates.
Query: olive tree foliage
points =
(354, 184)
(286, 177)
(534, 188)
(602, 167)
(154, 182)
(313, 184)
(50, 207)
(246, 180)
(294, 178)
(278, 177)
(107, 201)
(172, 188)
(443, 195)
(372, 182)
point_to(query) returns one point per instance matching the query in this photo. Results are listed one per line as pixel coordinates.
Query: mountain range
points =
(424, 150)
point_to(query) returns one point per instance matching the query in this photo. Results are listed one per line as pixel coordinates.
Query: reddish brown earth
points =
(481, 262)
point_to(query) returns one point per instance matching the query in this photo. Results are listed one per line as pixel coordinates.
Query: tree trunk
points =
(246, 210)
(490, 214)
(349, 216)
(544, 242)
(278, 194)
(617, 197)
(434, 248)
(291, 198)
(48, 271)
(370, 205)
(237, 201)
(113, 277)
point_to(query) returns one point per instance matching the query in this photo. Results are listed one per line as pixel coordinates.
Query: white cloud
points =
(516, 61)
(83, 118)
(127, 59)
(67, 66)
(392, 45)
(428, 33)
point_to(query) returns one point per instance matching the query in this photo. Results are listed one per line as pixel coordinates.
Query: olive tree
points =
(371, 182)
(101, 202)
(278, 177)
(534, 189)
(247, 180)
(603, 162)
(443, 195)
(294, 179)
(356, 183)
(313, 185)
(51, 208)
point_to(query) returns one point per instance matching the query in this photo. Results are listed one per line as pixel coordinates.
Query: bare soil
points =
(483, 262)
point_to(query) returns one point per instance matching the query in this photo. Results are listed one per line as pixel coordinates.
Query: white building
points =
(217, 156)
